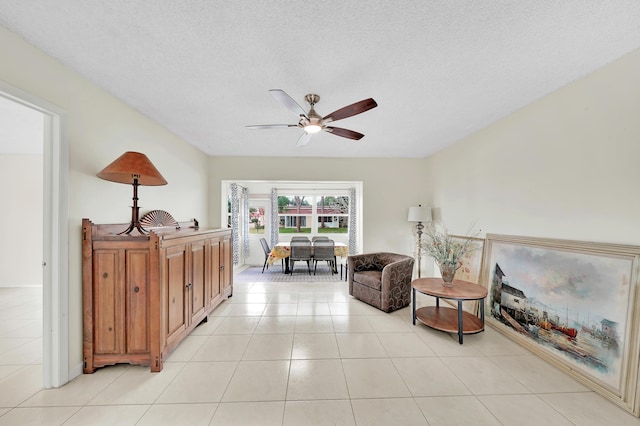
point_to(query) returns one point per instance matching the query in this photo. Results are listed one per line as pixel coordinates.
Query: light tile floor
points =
(299, 354)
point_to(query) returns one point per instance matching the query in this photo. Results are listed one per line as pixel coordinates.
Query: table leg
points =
(482, 311)
(437, 302)
(460, 321)
(286, 266)
(413, 305)
(346, 269)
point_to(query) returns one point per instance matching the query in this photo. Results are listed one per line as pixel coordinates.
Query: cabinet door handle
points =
(222, 267)
(136, 289)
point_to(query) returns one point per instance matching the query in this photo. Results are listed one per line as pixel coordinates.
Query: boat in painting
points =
(589, 343)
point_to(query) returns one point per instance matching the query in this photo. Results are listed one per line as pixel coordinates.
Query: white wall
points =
(390, 186)
(21, 214)
(564, 167)
(99, 128)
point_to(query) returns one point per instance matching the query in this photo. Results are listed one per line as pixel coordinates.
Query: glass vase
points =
(448, 271)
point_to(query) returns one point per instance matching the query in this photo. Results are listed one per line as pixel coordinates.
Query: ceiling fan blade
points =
(304, 139)
(287, 101)
(350, 110)
(345, 133)
(270, 126)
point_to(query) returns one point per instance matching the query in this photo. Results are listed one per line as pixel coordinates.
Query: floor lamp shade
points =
(419, 214)
(136, 169)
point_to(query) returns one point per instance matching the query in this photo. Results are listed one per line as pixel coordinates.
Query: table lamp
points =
(136, 169)
(419, 214)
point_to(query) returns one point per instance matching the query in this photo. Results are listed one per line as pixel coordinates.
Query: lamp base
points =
(135, 213)
(419, 228)
(132, 226)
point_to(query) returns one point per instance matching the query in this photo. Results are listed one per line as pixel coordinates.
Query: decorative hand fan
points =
(158, 219)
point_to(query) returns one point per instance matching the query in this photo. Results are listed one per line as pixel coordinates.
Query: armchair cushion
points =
(372, 279)
(382, 280)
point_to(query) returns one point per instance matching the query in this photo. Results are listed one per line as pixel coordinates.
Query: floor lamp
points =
(419, 215)
(136, 169)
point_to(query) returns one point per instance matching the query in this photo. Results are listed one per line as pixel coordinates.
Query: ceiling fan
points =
(311, 122)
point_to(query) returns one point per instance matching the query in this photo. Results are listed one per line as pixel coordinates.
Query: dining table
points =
(282, 251)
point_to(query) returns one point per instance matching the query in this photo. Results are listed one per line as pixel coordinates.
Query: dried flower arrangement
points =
(446, 250)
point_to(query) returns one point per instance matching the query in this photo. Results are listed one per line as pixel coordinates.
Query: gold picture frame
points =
(573, 303)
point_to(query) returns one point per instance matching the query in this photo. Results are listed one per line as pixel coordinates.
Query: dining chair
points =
(324, 250)
(319, 237)
(267, 252)
(300, 250)
(299, 238)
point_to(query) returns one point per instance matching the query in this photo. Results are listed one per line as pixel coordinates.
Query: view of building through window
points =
(313, 214)
(256, 219)
(302, 208)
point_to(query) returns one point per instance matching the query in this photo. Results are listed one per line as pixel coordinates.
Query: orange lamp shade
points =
(133, 168)
(132, 165)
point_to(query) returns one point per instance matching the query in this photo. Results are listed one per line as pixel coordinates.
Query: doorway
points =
(259, 227)
(54, 236)
(21, 169)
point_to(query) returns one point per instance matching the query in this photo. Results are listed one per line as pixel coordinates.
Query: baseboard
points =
(20, 286)
(75, 371)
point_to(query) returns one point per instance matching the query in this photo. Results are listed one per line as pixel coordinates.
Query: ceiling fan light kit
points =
(312, 128)
(312, 122)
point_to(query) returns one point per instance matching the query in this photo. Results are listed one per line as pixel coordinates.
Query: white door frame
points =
(55, 260)
(255, 248)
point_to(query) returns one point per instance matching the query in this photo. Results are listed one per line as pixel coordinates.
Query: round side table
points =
(448, 319)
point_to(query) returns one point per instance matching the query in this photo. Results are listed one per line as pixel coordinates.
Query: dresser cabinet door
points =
(197, 281)
(120, 303)
(108, 311)
(137, 308)
(214, 282)
(175, 274)
(226, 267)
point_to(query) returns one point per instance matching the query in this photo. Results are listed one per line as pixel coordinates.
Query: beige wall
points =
(21, 216)
(99, 129)
(390, 186)
(563, 167)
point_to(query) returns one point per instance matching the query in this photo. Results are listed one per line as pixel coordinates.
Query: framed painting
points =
(573, 303)
(471, 261)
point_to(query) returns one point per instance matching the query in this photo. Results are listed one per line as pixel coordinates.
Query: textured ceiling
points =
(439, 70)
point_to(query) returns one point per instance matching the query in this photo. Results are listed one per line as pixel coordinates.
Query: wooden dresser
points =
(143, 294)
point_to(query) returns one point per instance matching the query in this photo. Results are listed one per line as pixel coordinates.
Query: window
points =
(305, 208)
(326, 213)
(332, 214)
(256, 220)
(293, 213)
